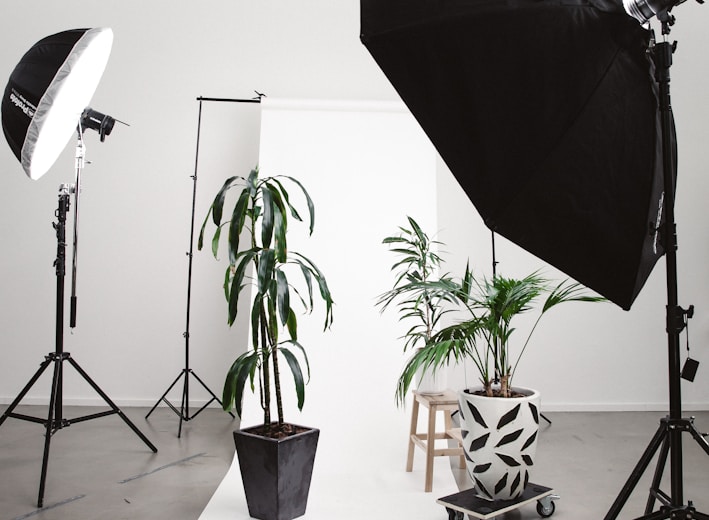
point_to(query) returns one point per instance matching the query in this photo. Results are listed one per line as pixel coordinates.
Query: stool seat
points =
(446, 402)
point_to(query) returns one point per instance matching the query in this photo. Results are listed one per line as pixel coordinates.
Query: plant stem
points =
(277, 382)
(266, 376)
(504, 386)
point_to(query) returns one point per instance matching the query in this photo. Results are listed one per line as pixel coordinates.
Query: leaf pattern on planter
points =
(479, 442)
(529, 441)
(515, 483)
(535, 412)
(499, 457)
(481, 489)
(510, 437)
(508, 417)
(476, 415)
(510, 461)
(501, 484)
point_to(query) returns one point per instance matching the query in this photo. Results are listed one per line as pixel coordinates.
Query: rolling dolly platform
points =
(468, 502)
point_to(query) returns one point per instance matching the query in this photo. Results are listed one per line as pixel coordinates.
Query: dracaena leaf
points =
(297, 375)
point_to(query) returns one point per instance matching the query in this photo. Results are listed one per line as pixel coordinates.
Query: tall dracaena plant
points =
(262, 208)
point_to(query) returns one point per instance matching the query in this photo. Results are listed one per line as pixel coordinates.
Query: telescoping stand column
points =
(184, 411)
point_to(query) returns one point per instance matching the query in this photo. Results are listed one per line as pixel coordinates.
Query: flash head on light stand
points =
(644, 10)
(95, 120)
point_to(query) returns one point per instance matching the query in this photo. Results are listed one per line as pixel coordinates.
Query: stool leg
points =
(412, 433)
(449, 425)
(430, 446)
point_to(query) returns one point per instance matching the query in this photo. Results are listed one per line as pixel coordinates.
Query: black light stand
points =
(668, 438)
(184, 410)
(55, 420)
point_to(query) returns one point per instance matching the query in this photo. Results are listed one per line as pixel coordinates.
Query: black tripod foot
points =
(662, 441)
(183, 412)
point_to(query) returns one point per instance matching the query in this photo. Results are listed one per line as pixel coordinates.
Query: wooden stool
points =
(446, 402)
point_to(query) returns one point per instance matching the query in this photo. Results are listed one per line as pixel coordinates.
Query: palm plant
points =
(484, 336)
(422, 297)
(262, 209)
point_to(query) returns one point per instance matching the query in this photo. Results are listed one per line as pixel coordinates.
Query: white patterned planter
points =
(499, 441)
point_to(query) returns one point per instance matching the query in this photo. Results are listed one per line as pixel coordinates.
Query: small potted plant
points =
(499, 422)
(421, 296)
(275, 457)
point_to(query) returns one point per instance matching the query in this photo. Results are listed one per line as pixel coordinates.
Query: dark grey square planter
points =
(276, 472)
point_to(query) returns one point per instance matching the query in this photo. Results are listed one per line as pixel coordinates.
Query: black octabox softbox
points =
(547, 114)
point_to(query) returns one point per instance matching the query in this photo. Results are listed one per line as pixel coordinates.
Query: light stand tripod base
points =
(184, 411)
(661, 441)
(55, 421)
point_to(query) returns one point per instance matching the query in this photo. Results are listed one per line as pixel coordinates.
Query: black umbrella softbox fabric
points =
(47, 92)
(30, 80)
(547, 114)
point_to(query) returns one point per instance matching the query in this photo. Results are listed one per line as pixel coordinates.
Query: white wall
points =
(137, 197)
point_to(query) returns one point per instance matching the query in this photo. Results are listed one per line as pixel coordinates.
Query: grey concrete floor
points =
(587, 458)
(100, 469)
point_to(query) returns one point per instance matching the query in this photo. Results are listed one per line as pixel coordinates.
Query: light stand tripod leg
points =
(112, 405)
(185, 403)
(162, 397)
(214, 397)
(10, 410)
(637, 473)
(659, 470)
(49, 427)
(701, 440)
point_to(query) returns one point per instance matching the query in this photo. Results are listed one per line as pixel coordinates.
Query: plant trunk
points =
(504, 386)
(266, 377)
(488, 388)
(277, 384)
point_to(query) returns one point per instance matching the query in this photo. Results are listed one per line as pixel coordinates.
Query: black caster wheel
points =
(454, 515)
(545, 511)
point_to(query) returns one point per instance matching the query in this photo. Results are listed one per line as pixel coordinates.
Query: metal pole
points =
(675, 315)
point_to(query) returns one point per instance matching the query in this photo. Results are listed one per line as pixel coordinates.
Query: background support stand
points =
(184, 411)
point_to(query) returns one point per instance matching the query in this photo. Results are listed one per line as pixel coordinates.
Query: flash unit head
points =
(95, 120)
(644, 10)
